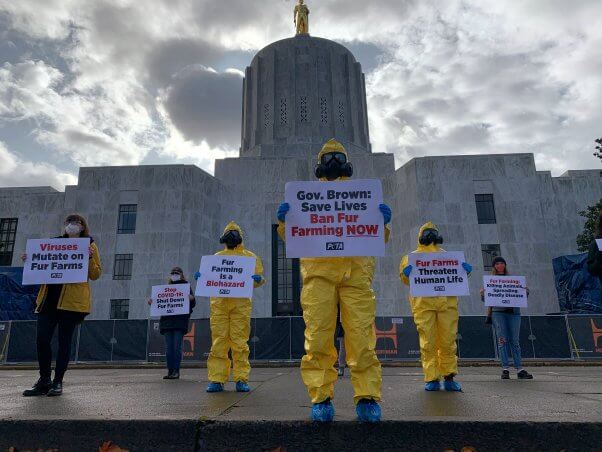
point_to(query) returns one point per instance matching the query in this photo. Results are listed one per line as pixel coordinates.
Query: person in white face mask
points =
(173, 328)
(62, 307)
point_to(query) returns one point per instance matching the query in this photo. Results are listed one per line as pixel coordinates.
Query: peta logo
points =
(439, 288)
(335, 246)
(56, 275)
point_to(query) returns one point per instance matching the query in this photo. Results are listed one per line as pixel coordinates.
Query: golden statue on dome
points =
(301, 18)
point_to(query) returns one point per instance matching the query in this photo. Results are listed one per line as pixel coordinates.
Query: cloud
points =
(169, 57)
(27, 90)
(98, 125)
(205, 105)
(105, 82)
(15, 172)
(476, 78)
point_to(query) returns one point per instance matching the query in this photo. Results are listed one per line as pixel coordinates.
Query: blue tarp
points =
(17, 302)
(578, 291)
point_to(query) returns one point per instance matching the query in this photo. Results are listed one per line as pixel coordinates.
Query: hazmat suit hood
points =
(332, 145)
(431, 247)
(232, 226)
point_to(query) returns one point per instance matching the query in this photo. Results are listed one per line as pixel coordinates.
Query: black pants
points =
(47, 322)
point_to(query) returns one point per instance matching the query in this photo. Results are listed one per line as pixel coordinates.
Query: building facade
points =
(298, 93)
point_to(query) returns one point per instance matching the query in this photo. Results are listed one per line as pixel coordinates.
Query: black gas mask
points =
(231, 239)
(333, 165)
(429, 236)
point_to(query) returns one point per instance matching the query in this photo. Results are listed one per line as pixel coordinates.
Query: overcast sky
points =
(124, 82)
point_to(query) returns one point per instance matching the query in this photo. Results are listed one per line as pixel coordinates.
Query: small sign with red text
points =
(56, 261)
(170, 299)
(505, 291)
(438, 274)
(226, 276)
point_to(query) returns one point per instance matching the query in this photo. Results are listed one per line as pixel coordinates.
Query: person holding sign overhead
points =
(230, 321)
(63, 306)
(174, 327)
(506, 323)
(436, 320)
(346, 283)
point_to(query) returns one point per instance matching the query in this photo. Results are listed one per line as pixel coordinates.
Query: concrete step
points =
(424, 435)
(186, 435)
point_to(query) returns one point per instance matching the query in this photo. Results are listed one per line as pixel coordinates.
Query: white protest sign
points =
(599, 243)
(334, 219)
(170, 299)
(505, 291)
(226, 276)
(438, 274)
(56, 261)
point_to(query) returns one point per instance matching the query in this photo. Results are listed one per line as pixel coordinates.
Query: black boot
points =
(175, 375)
(41, 387)
(56, 389)
(169, 374)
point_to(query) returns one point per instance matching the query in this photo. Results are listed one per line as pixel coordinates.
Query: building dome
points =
(300, 92)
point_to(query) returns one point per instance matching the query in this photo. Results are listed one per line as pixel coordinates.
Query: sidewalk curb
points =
(399, 435)
(202, 435)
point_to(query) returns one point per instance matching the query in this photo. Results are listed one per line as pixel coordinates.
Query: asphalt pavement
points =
(107, 400)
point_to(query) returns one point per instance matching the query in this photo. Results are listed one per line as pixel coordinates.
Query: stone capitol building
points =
(297, 94)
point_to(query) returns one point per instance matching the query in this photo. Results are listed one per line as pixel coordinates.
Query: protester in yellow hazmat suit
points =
(436, 319)
(345, 283)
(231, 322)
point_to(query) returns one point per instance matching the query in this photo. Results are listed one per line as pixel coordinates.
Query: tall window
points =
(8, 232)
(485, 209)
(489, 252)
(127, 219)
(286, 286)
(120, 308)
(122, 269)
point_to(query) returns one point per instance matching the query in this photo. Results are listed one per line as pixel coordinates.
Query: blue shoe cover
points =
(215, 387)
(241, 386)
(322, 412)
(432, 385)
(368, 411)
(451, 385)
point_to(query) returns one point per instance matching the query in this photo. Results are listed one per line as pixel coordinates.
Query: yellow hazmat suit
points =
(436, 319)
(231, 325)
(346, 282)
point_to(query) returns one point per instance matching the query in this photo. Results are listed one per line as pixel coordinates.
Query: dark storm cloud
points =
(205, 105)
(231, 12)
(367, 54)
(349, 9)
(169, 57)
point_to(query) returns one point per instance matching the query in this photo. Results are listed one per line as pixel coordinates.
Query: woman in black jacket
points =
(173, 328)
(594, 255)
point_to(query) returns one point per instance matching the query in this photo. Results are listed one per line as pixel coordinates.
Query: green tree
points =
(598, 151)
(591, 215)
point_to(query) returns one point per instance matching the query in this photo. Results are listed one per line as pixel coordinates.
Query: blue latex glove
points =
(407, 270)
(197, 275)
(257, 278)
(467, 267)
(283, 210)
(386, 211)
